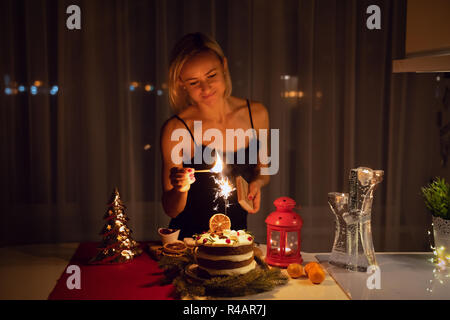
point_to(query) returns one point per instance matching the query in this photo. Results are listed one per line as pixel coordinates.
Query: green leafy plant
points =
(437, 198)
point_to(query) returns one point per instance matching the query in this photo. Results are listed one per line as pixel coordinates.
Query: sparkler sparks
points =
(224, 187)
(223, 190)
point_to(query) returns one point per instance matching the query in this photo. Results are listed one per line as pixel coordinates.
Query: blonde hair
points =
(187, 47)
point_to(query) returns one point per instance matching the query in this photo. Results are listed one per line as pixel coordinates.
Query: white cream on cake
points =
(235, 239)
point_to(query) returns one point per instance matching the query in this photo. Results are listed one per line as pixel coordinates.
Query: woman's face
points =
(203, 77)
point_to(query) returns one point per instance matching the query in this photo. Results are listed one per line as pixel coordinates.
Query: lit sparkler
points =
(224, 188)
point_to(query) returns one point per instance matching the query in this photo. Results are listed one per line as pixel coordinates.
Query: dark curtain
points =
(324, 77)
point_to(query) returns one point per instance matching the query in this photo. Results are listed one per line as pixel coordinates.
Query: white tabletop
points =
(302, 288)
(402, 276)
(31, 272)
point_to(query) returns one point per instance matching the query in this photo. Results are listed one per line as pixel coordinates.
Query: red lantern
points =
(283, 234)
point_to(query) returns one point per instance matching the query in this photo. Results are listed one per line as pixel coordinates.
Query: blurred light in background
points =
(134, 85)
(14, 88)
(292, 94)
(290, 89)
(148, 87)
(54, 90)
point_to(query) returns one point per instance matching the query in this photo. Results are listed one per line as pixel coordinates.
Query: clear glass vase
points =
(353, 247)
(363, 182)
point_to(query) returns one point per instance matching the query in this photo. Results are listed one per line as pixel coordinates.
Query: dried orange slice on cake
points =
(219, 222)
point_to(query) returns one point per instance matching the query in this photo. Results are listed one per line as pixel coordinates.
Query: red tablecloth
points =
(135, 280)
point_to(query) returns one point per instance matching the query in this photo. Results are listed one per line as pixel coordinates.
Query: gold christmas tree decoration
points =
(117, 246)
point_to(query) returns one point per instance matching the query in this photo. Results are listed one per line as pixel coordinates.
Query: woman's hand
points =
(181, 178)
(254, 194)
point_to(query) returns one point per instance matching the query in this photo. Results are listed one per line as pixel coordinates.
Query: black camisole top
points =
(201, 201)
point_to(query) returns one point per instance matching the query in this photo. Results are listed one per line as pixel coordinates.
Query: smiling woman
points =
(200, 93)
(194, 47)
(204, 78)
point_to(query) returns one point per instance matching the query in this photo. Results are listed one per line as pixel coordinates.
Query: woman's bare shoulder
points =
(169, 125)
(259, 112)
(255, 106)
(188, 114)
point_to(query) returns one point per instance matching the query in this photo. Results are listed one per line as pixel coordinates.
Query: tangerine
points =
(219, 222)
(295, 270)
(316, 275)
(311, 265)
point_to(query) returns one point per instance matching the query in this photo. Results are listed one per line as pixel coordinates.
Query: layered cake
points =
(225, 252)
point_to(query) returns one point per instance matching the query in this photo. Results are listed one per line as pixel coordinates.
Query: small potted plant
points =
(437, 200)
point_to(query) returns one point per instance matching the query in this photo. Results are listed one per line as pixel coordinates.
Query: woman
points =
(200, 90)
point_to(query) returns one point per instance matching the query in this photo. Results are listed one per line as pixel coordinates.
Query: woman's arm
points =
(176, 180)
(261, 121)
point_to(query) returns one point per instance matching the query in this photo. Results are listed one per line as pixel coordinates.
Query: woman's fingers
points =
(181, 170)
(253, 189)
(181, 178)
(183, 181)
(257, 201)
(254, 194)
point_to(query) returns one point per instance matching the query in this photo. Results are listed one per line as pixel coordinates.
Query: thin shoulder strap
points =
(176, 116)
(250, 113)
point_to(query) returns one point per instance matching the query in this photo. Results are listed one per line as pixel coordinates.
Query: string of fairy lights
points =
(440, 255)
(440, 260)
